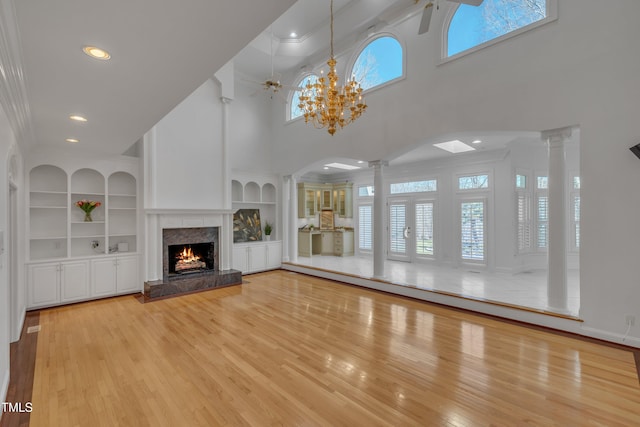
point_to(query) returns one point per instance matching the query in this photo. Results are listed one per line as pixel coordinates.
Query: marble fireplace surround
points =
(209, 225)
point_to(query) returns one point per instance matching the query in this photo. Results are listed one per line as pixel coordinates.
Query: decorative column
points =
(557, 220)
(293, 219)
(378, 218)
(227, 234)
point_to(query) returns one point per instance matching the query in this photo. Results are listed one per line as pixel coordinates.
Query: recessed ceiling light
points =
(293, 34)
(78, 118)
(96, 52)
(477, 141)
(72, 140)
(326, 168)
(454, 146)
(342, 166)
(360, 161)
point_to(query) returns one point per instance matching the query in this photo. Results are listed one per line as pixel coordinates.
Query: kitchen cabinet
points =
(343, 200)
(338, 242)
(327, 243)
(343, 243)
(308, 200)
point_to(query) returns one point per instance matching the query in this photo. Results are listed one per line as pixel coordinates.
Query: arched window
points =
(472, 26)
(378, 63)
(296, 111)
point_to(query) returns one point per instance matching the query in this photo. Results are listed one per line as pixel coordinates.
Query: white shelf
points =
(253, 203)
(53, 210)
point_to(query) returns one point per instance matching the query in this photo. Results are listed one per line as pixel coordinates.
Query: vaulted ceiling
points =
(160, 52)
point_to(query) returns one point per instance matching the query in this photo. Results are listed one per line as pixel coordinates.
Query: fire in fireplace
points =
(191, 258)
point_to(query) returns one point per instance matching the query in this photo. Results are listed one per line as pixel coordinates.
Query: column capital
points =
(378, 163)
(225, 100)
(558, 135)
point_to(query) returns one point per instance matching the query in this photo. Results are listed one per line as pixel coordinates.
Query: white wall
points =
(186, 155)
(250, 124)
(578, 70)
(7, 145)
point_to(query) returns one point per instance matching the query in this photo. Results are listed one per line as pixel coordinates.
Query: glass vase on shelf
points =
(87, 217)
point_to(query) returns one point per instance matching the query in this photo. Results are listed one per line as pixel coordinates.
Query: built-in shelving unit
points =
(257, 192)
(71, 259)
(57, 226)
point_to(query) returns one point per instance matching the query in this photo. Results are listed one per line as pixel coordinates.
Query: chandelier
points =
(325, 104)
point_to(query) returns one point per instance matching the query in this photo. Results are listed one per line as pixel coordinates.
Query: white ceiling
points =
(161, 51)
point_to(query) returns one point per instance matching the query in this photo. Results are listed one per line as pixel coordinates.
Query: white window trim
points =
(552, 15)
(364, 44)
(456, 183)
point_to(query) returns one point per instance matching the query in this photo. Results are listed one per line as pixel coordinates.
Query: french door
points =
(410, 229)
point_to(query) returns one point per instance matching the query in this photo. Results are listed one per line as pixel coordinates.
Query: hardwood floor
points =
(288, 349)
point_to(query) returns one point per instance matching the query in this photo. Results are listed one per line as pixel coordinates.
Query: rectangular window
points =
(543, 221)
(365, 227)
(473, 182)
(576, 182)
(521, 181)
(543, 182)
(424, 228)
(472, 231)
(365, 191)
(413, 187)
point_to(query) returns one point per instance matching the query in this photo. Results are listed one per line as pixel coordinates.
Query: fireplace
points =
(200, 240)
(189, 251)
(189, 258)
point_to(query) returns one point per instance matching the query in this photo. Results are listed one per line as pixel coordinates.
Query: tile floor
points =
(522, 289)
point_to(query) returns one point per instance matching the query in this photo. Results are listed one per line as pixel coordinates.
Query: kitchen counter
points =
(335, 242)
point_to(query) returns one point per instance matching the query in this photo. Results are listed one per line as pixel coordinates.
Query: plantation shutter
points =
(365, 227)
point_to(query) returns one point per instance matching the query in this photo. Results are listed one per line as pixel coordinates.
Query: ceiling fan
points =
(272, 84)
(428, 11)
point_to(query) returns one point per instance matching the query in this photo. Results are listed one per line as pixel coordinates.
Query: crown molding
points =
(13, 90)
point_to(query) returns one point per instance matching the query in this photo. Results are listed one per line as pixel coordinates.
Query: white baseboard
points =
(19, 327)
(611, 337)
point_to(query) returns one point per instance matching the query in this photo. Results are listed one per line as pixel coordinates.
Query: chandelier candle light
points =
(87, 206)
(325, 104)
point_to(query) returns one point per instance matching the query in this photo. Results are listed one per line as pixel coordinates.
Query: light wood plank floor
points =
(288, 349)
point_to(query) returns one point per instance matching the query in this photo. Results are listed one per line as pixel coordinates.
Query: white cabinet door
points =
(74, 281)
(103, 277)
(44, 284)
(274, 255)
(240, 259)
(257, 257)
(127, 275)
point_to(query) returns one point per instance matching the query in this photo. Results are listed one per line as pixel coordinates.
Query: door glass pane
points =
(472, 230)
(397, 223)
(365, 227)
(424, 228)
